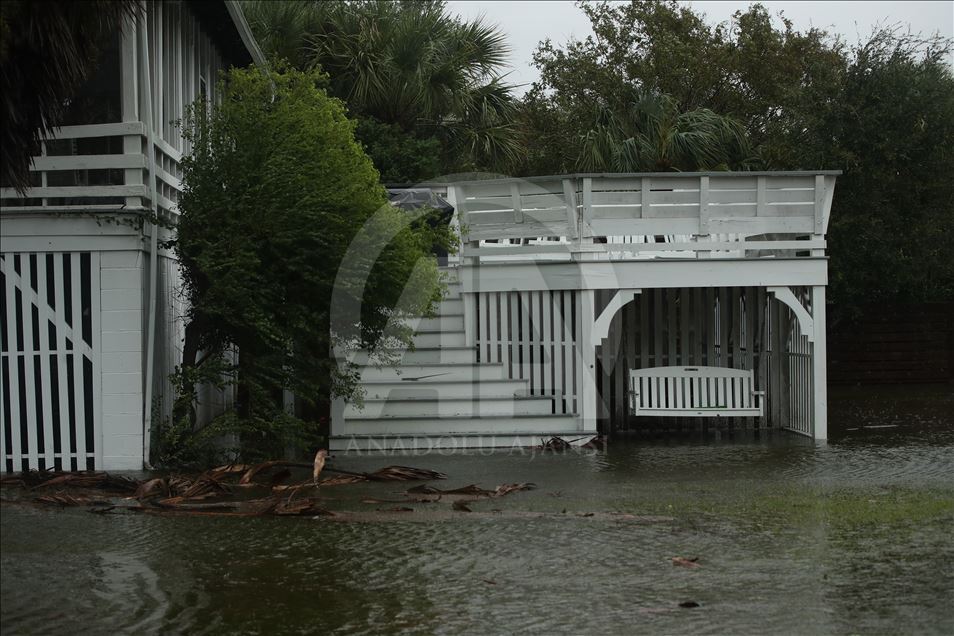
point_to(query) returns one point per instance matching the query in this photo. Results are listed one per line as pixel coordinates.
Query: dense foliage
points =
(47, 50)
(882, 111)
(410, 72)
(276, 189)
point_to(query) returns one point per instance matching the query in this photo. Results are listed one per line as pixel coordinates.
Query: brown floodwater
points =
(791, 537)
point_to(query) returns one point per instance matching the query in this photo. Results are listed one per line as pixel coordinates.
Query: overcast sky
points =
(528, 22)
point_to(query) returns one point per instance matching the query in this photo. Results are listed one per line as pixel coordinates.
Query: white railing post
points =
(704, 235)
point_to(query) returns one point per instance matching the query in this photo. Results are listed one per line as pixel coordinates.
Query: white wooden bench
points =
(694, 392)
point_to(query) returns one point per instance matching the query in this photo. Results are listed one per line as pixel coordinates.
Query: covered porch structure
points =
(574, 282)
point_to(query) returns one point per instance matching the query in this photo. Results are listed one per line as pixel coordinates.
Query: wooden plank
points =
(588, 211)
(616, 198)
(97, 130)
(572, 222)
(14, 364)
(547, 343)
(513, 335)
(587, 376)
(29, 361)
(571, 387)
(762, 225)
(78, 191)
(645, 329)
(79, 393)
(820, 211)
(650, 227)
(657, 329)
(704, 205)
(45, 345)
(492, 354)
(96, 358)
(684, 342)
(525, 370)
(666, 211)
(672, 326)
(61, 359)
(89, 162)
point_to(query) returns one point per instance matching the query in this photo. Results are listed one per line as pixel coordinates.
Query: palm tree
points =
(47, 50)
(409, 64)
(651, 134)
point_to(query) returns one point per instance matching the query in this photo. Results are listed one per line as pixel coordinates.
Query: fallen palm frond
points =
(319, 464)
(95, 480)
(472, 490)
(63, 500)
(342, 479)
(506, 489)
(404, 473)
(180, 494)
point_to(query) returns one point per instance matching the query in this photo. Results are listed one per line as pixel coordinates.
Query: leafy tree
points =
(881, 111)
(893, 134)
(275, 190)
(47, 50)
(652, 135)
(778, 83)
(409, 65)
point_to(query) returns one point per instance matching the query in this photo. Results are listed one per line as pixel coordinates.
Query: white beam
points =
(805, 322)
(647, 274)
(602, 324)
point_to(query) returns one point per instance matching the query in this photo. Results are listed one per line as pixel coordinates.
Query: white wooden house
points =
(619, 298)
(91, 317)
(576, 299)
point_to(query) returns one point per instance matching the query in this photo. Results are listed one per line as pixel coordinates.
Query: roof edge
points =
(245, 32)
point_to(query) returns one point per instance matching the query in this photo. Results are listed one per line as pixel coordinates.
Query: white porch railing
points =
(635, 216)
(98, 167)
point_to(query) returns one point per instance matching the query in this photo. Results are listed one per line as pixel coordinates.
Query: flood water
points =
(793, 538)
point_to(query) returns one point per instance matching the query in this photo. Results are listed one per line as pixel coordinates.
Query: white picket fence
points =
(50, 361)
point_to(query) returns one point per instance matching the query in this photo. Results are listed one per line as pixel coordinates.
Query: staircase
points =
(439, 396)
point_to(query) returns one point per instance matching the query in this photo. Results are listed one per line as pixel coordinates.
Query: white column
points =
(819, 364)
(587, 360)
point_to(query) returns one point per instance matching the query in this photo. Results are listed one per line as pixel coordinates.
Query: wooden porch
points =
(571, 282)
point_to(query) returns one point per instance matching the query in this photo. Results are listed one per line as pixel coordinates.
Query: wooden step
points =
(451, 407)
(489, 424)
(459, 441)
(448, 338)
(442, 389)
(424, 355)
(438, 372)
(444, 322)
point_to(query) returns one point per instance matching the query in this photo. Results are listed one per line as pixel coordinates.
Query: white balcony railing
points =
(98, 167)
(675, 215)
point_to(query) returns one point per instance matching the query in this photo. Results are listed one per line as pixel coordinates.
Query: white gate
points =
(49, 361)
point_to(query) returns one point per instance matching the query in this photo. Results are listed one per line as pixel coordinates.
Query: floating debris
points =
(691, 562)
(689, 604)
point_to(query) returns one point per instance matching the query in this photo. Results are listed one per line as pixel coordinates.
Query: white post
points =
(587, 358)
(819, 364)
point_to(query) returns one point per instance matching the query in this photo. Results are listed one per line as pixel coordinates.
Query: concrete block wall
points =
(122, 285)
